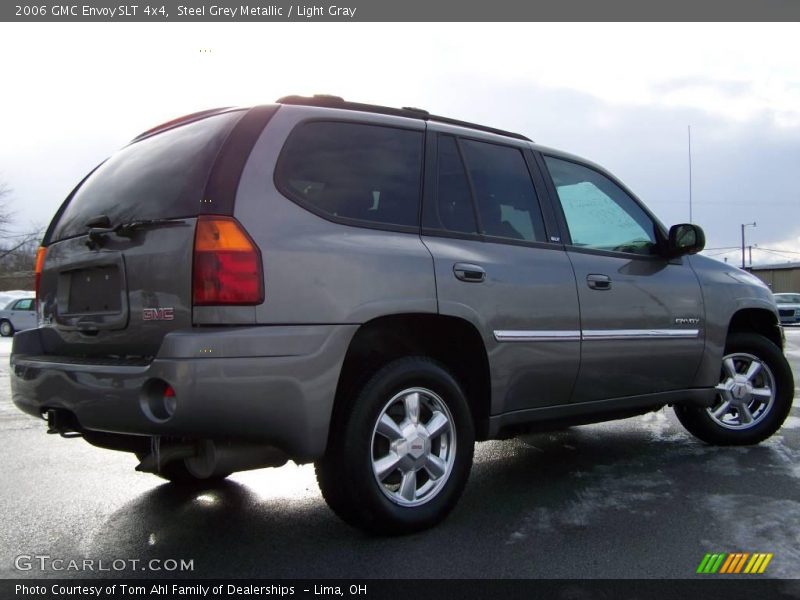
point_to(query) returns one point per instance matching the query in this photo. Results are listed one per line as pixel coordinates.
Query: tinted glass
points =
(787, 298)
(506, 199)
(354, 171)
(26, 304)
(599, 213)
(455, 211)
(159, 177)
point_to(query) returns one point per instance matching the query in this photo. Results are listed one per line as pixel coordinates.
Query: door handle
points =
(598, 282)
(469, 272)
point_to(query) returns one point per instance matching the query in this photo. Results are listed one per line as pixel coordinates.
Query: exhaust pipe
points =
(208, 458)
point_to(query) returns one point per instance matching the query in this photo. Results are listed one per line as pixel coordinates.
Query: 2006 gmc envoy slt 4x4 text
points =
(373, 290)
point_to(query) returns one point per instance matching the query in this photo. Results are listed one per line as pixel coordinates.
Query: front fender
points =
(727, 291)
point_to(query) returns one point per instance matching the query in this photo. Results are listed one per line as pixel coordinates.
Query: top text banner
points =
(400, 10)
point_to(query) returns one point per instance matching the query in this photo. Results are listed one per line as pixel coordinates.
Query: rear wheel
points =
(399, 459)
(6, 328)
(754, 395)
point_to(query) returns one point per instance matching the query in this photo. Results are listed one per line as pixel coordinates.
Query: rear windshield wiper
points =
(101, 225)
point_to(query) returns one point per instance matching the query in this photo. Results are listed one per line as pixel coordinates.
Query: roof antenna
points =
(689, 127)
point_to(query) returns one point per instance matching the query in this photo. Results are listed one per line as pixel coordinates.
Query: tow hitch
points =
(63, 423)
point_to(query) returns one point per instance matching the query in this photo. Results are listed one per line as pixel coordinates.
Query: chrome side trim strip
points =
(537, 336)
(564, 335)
(639, 334)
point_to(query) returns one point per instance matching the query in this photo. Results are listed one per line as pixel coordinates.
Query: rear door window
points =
(505, 196)
(354, 171)
(26, 304)
(159, 177)
(454, 208)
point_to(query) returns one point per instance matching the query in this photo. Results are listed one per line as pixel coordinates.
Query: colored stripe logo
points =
(735, 563)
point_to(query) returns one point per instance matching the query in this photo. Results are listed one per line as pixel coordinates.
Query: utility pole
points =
(743, 226)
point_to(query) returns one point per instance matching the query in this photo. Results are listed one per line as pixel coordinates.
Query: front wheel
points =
(399, 459)
(754, 395)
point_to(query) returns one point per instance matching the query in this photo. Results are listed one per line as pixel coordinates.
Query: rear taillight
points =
(37, 276)
(227, 264)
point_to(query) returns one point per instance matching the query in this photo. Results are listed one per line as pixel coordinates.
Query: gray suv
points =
(373, 290)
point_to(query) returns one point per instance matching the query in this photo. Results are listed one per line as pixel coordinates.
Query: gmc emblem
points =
(158, 314)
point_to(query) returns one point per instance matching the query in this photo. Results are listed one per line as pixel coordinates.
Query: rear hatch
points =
(117, 272)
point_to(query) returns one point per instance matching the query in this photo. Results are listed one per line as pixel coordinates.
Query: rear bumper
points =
(271, 384)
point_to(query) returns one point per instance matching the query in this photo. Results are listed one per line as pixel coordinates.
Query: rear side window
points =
(453, 198)
(26, 304)
(160, 177)
(354, 171)
(506, 199)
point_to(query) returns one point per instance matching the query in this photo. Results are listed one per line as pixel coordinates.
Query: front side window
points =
(505, 196)
(354, 171)
(598, 212)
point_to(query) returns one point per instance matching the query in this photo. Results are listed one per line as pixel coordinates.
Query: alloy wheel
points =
(413, 446)
(745, 393)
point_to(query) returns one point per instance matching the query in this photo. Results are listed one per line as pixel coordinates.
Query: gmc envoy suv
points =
(373, 290)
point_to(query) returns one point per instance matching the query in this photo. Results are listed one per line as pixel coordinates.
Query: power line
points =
(754, 248)
(781, 253)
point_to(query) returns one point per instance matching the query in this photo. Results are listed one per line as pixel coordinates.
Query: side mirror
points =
(685, 239)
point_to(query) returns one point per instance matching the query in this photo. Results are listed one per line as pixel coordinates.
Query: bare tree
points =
(5, 210)
(17, 250)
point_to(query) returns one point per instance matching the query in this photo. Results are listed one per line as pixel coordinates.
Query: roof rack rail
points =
(328, 101)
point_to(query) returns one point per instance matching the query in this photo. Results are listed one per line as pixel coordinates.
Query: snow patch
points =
(787, 455)
(791, 423)
(757, 524)
(605, 492)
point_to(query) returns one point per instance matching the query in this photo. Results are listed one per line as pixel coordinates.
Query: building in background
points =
(784, 277)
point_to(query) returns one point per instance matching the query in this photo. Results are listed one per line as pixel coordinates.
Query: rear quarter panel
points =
(318, 271)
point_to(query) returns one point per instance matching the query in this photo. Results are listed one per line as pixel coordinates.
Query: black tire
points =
(345, 475)
(6, 328)
(702, 425)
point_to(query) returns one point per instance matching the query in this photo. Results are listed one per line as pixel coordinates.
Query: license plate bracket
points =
(95, 290)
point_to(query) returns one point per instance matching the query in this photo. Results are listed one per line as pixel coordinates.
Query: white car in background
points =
(19, 314)
(788, 308)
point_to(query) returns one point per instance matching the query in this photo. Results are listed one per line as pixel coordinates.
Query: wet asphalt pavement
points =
(633, 498)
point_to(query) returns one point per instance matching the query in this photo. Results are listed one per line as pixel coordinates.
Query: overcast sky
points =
(621, 95)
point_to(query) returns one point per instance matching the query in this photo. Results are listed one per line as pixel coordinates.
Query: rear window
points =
(160, 177)
(354, 171)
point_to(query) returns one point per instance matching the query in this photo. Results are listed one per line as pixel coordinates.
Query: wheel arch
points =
(756, 320)
(451, 341)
